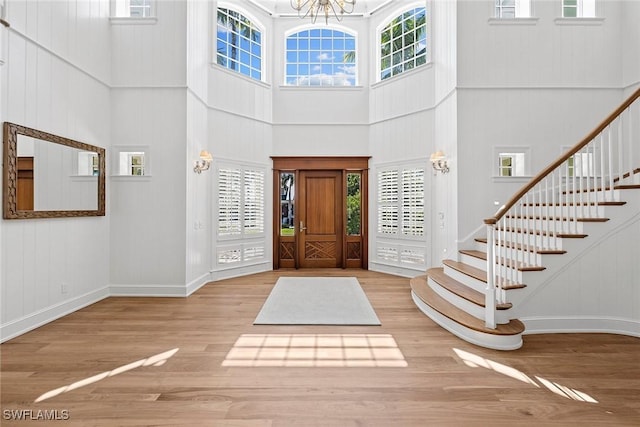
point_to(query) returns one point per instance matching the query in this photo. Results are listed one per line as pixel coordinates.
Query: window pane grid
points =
(317, 57)
(238, 44)
(403, 43)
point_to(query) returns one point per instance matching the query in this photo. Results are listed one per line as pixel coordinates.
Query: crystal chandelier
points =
(313, 8)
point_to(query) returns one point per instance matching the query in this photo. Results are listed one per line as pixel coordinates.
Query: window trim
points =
(132, 20)
(115, 161)
(400, 227)
(242, 236)
(334, 27)
(494, 12)
(511, 149)
(386, 21)
(257, 23)
(580, 10)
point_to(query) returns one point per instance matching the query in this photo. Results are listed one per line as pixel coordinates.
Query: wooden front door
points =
(320, 212)
(320, 225)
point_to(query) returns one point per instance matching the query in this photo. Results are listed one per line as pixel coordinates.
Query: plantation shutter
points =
(413, 202)
(388, 202)
(229, 202)
(253, 202)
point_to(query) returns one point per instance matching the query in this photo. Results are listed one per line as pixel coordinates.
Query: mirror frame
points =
(10, 174)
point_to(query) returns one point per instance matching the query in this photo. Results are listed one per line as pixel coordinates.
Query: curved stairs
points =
(454, 295)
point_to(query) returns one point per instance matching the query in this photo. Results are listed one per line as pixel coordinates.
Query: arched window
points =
(403, 43)
(321, 57)
(239, 44)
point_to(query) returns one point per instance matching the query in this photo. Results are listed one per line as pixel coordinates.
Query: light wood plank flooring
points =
(115, 363)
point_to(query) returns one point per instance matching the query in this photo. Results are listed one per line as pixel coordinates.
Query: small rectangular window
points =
(578, 8)
(512, 9)
(133, 8)
(131, 161)
(511, 161)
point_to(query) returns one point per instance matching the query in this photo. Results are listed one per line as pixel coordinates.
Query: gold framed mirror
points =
(50, 176)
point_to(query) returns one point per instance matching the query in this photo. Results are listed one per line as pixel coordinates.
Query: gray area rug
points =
(317, 301)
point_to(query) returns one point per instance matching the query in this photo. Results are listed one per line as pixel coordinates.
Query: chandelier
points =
(313, 8)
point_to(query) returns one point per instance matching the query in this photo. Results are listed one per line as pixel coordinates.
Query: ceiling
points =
(283, 7)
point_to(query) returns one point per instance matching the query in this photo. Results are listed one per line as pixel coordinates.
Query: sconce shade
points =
(206, 156)
(438, 155)
(439, 162)
(204, 162)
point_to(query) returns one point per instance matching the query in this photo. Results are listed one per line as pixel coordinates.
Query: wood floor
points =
(173, 361)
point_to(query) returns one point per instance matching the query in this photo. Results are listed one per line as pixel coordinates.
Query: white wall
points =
(149, 109)
(590, 295)
(630, 45)
(148, 219)
(54, 79)
(542, 85)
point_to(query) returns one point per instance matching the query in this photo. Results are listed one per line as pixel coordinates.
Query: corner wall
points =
(55, 78)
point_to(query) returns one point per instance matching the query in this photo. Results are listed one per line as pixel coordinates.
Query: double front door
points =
(319, 215)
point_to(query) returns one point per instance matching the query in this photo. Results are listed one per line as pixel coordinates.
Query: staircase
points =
(575, 201)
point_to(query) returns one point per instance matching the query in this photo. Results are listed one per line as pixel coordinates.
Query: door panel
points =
(320, 219)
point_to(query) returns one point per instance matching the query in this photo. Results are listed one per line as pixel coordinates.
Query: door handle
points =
(302, 227)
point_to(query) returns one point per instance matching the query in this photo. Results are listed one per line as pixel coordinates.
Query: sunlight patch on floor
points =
(315, 350)
(475, 361)
(156, 360)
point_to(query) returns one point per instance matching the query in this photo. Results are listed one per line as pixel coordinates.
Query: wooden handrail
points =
(585, 141)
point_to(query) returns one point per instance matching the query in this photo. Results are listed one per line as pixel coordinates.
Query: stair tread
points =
(474, 253)
(421, 288)
(478, 274)
(609, 203)
(543, 233)
(438, 275)
(546, 218)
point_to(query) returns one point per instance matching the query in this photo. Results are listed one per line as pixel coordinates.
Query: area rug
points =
(317, 301)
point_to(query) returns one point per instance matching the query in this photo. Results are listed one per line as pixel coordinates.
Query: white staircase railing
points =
(554, 205)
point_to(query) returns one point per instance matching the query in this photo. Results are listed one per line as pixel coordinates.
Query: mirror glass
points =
(51, 176)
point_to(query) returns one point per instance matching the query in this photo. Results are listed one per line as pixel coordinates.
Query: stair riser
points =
(525, 257)
(557, 226)
(591, 196)
(534, 241)
(463, 304)
(473, 261)
(497, 342)
(473, 283)
(560, 211)
(511, 274)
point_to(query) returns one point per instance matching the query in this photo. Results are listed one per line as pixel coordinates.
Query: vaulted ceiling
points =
(283, 7)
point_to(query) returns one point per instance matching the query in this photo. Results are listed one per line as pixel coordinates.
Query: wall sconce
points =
(439, 162)
(203, 163)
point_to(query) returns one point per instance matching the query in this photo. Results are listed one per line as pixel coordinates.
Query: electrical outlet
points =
(64, 288)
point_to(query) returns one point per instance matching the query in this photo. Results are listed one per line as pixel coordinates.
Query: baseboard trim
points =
(559, 325)
(32, 321)
(230, 273)
(197, 283)
(174, 291)
(395, 270)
